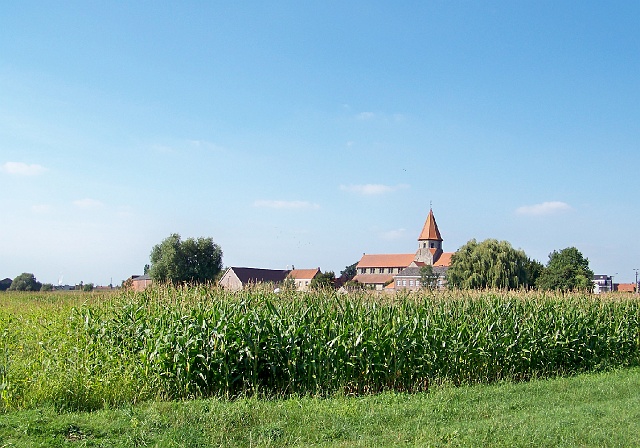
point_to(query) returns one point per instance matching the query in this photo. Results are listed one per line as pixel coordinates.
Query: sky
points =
(308, 133)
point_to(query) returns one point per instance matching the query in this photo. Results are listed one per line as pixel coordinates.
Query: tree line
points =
(487, 264)
(496, 264)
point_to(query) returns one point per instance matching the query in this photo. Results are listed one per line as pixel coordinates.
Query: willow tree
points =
(491, 264)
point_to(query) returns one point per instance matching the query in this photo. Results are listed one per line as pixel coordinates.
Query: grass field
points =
(588, 410)
(83, 352)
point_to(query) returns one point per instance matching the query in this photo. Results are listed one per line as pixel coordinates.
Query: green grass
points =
(589, 410)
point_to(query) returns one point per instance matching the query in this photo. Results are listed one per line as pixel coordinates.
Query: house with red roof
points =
(302, 277)
(398, 271)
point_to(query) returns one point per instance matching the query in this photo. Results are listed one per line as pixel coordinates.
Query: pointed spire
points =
(430, 230)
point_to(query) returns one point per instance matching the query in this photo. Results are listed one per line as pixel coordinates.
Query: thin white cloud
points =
(87, 203)
(286, 204)
(365, 116)
(203, 144)
(22, 169)
(372, 189)
(545, 208)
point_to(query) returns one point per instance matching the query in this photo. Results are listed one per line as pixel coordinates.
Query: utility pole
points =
(637, 280)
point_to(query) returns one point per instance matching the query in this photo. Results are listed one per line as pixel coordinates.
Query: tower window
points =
(432, 245)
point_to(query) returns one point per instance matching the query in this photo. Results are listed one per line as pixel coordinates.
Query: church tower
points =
(429, 241)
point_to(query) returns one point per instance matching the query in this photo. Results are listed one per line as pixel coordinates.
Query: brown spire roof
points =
(430, 230)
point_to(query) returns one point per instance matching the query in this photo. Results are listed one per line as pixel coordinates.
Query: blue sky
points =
(308, 133)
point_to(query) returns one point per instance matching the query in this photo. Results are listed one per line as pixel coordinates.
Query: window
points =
(390, 270)
(432, 245)
(410, 282)
(397, 282)
(404, 283)
(363, 270)
(380, 270)
(372, 270)
(418, 283)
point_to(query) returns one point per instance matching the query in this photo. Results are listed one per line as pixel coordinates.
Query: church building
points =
(402, 271)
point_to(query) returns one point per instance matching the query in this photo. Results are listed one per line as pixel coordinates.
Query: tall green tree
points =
(191, 261)
(25, 282)
(349, 272)
(566, 270)
(490, 264)
(428, 278)
(323, 280)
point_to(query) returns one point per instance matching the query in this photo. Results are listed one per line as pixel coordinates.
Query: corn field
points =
(180, 343)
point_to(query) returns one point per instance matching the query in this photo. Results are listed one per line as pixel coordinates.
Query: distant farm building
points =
(303, 277)
(140, 282)
(237, 278)
(626, 287)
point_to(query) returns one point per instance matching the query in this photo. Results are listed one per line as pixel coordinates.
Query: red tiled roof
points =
(304, 273)
(385, 260)
(444, 259)
(626, 287)
(373, 278)
(430, 230)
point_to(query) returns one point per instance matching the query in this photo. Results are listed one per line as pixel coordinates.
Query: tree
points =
(88, 287)
(428, 278)
(349, 272)
(490, 264)
(25, 282)
(323, 280)
(566, 270)
(5, 284)
(46, 287)
(190, 261)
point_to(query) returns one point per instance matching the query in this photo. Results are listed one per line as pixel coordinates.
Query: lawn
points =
(599, 410)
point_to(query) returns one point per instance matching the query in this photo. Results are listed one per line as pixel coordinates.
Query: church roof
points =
(430, 230)
(443, 260)
(385, 260)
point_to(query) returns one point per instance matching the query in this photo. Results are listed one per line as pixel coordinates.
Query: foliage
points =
(566, 270)
(25, 282)
(323, 280)
(5, 284)
(46, 287)
(127, 284)
(349, 272)
(490, 264)
(288, 284)
(177, 343)
(428, 278)
(190, 261)
(88, 287)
